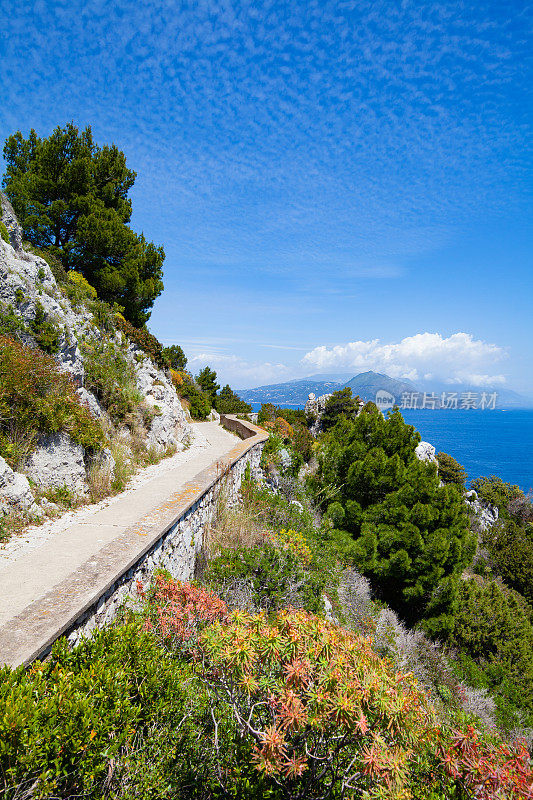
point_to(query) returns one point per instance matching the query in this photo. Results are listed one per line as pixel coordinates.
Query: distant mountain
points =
(296, 392)
(289, 393)
(366, 384)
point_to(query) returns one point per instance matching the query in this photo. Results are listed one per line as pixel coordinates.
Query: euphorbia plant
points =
(325, 716)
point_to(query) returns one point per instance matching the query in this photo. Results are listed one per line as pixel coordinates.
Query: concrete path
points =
(32, 573)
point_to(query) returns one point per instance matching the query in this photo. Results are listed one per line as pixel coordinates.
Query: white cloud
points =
(456, 358)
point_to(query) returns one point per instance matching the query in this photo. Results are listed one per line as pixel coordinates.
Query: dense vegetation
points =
(36, 398)
(228, 693)
(71, 197)
(395, 521)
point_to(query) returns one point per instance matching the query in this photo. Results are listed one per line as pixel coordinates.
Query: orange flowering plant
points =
(326, 717)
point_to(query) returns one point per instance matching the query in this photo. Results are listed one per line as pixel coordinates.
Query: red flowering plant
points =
(177, 611)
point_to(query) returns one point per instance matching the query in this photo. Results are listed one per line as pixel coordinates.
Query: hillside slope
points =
(52, 325)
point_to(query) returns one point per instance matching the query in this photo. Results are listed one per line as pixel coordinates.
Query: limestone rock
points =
(285, 458)
(213, 416)
(170, 427)
(15, 492)
(58, 462)
(88, 399)
(426, 452)
(10, 221)
(485, 513)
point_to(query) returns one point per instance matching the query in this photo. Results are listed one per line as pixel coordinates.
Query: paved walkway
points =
(31, 573)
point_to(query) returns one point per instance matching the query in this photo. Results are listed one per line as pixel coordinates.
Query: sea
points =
(490, 442)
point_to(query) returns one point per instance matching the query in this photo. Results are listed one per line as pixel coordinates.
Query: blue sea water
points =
(484, 442)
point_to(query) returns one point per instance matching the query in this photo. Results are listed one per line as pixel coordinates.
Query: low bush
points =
(450, 471)
(143, 339)
(510, 547)
(495, 491)
(199, 404)
(81, 723)
(45, 331)
(37, 398)
(321, 714)
(111, 376)
(10, 324)
(275, 573)
(4, 232)
(492, 626)
(82, 284)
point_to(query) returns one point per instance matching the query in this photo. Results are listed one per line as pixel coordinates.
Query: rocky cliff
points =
(36, 309)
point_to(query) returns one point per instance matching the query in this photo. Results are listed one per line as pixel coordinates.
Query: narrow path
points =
(29, 570)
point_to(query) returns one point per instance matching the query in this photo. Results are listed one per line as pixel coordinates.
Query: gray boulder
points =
(486, 514)
(58, 462)
(88, 399)
(426, 452)
(15, 494)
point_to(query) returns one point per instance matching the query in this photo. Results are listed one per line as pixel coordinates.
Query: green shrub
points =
(496, 492)
(175, 358)
(37, 398)
(187, 388)
(411, 534)
(143, 339)
(510, 546)
(4, 234)
(45, 332)
(279, 572)
(54, 262)
(228, 402)
(84, 721)
(491, 625)
(111, 376)
(450, 471)
(341, 403)
(10, 324)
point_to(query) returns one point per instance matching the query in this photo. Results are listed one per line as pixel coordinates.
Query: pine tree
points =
(71, 198)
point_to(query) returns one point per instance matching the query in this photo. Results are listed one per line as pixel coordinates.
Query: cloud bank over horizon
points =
(458, 358)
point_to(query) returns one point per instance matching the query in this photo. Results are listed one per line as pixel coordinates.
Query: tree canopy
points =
(229, 402)
(409, 534)
(71, 198)
(207, 381)
(340, 403)
(175, 357)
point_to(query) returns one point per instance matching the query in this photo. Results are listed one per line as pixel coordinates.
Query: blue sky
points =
(339, 186)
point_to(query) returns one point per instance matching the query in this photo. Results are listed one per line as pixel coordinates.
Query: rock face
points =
(485, 513)
(10, 221)
(58, 462)
(15, 493)
(426, 452)
(170, 427)
(315, 407)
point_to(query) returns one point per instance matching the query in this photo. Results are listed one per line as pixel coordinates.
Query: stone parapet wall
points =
(175, 552)
(170, 536)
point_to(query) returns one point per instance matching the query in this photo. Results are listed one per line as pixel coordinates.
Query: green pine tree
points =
(71, 198)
